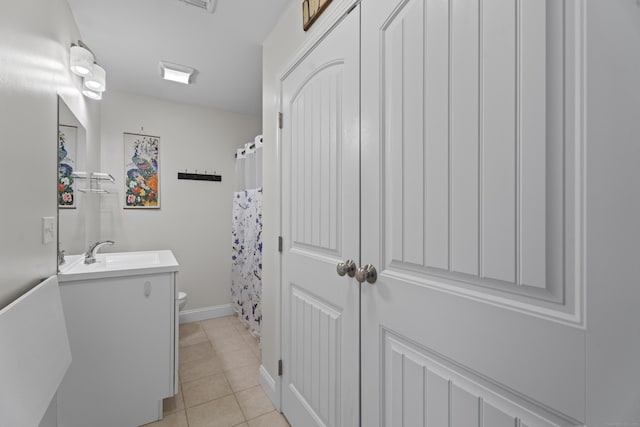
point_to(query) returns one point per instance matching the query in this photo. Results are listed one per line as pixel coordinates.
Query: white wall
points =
(194, 219)
(613, 213)
(282, 43)
(34, 54)
(50, 418)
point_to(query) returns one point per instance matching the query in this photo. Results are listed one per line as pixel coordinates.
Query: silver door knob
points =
(347, 267)
(368, 273)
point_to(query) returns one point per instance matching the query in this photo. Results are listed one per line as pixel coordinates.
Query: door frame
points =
(332, 16)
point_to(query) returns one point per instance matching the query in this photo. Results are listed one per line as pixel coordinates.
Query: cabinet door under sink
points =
(121, 335)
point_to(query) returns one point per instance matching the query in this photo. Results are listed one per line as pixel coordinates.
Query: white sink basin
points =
(117, 264)
(129, 260)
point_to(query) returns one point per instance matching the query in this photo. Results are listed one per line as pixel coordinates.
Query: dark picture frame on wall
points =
(311, 10)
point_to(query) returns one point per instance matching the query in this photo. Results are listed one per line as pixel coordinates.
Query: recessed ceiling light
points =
(176, 73)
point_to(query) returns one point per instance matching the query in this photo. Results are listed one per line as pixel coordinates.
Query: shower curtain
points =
(246, 258)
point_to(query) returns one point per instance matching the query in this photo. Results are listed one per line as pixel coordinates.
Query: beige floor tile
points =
(223, 412)
(177, 419)
(238, 359)
(252, 343)
(254, 402)
(217, 322)
(235, 319)
(205, 389)
(173, 404)
(243, 331)
(188, 328)
(231, 343)
(243, 378)
(192, 357)
(193, 338)
(250, 339)
(196, 352)
(272, 419)
(221, 332)
(200, 368)
(242, 425)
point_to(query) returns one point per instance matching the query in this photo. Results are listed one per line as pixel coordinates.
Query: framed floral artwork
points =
(141, 171)
(67, 155)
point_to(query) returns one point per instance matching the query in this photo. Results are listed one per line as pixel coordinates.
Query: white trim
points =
(580, 52)
(271, 387)
(276, 397)
(321, 28)
(205, 313)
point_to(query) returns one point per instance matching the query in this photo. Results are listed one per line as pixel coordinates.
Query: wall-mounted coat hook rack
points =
(199, 176)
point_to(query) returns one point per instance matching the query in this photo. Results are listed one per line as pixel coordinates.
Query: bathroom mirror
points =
(72, 164)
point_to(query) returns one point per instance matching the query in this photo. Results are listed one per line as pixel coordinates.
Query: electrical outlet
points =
(48, 229)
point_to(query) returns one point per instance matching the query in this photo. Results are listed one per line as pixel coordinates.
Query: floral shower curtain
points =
(246, 267)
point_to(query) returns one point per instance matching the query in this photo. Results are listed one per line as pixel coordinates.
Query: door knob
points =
(368, 273)
(347, 267)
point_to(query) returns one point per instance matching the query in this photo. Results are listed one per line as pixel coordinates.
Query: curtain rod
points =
(251, 147)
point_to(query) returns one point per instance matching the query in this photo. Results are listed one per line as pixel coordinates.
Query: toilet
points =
(182, 300)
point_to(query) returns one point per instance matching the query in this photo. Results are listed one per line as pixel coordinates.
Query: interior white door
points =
(472, 213)
(320, 225)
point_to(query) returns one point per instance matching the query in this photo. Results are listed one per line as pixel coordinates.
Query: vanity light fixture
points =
(82, 63)
(81, 60)
(97, 81)
(176, 73)
(92, 94)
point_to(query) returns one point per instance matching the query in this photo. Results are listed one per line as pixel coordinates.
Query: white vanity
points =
(122, 321)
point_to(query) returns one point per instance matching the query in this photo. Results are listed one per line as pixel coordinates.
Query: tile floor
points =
(219, 385)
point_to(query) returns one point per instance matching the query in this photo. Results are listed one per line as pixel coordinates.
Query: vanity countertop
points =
(117, 264)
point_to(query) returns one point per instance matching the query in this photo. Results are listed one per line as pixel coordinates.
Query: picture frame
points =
(141, 171)
(311, 10)
(67, 165)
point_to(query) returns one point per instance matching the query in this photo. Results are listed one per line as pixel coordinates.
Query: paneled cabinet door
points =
(320, 222)
(472, 213)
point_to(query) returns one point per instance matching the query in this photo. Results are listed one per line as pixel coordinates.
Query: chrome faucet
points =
(90, 255)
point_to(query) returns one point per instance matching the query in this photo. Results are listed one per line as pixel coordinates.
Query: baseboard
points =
(205, 313)
(270, 387)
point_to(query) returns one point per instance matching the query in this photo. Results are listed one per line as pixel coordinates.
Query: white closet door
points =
(320, 223)
(472, 214)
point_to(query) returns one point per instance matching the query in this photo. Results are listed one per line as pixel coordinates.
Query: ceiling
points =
(130, 37)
